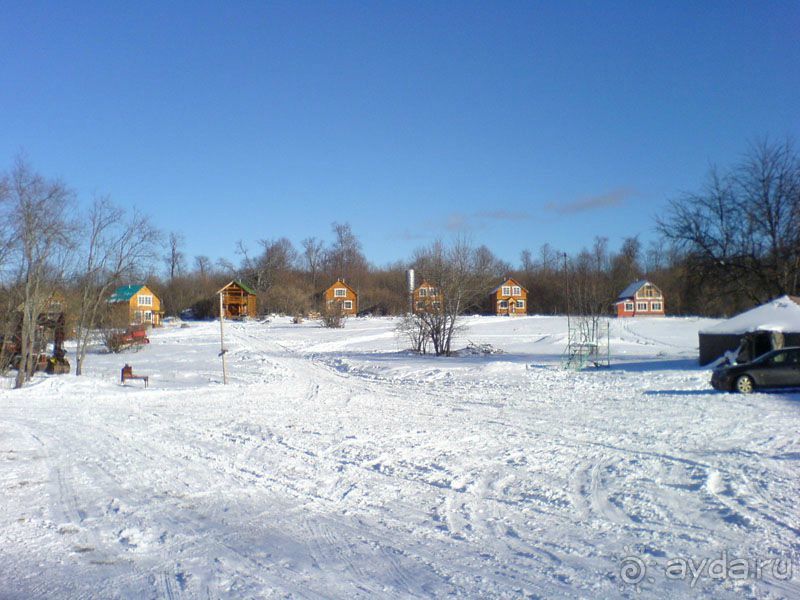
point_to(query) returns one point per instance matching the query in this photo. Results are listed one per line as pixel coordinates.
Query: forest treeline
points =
(733, 242)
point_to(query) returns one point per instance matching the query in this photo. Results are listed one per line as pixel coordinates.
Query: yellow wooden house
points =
(342, 294)
(144, 307)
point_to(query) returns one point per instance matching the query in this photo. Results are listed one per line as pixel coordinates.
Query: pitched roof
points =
(124, 293)
(630, 291)
(342, 282)
(244, 286)
(509, 281)
(780, 314)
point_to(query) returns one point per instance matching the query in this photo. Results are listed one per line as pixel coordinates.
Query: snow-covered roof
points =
(630, 291)
(781, 314)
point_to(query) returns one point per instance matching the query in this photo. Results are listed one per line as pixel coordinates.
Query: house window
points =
(145, 301)
(420, 305)
(641, 306)
(506, 291)
(520, 303)
(423, 292)
(148, 316)
(629, 307)
(502, 304)
(656, 306)
(431, 292)
(436, 305)
(649, 291)
(516, 291)
(137, 316)
(347, 304)
(339, 292)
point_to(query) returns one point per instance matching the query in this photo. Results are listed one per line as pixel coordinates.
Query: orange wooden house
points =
(141, 304)
(238, 300)
(344, 295)
(509, 299)
(426, 298)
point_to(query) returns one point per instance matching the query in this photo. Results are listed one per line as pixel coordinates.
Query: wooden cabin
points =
(640, 299)
(426, 298)
(343, 294)
(509, 299)
(142, 305)
(238, 300)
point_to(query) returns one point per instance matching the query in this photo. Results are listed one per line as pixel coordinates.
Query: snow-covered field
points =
(337, 465)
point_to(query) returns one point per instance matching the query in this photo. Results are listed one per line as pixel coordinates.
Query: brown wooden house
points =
(343, 294)
(509, 299)
(427, 298)
(238, 300)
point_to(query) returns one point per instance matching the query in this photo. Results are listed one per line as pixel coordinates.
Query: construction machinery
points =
(50, 329)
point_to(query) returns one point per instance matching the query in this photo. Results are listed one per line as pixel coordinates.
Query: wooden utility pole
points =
(222, 350)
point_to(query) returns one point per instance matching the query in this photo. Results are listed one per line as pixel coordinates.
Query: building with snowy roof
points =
(775, 324)
(640, 299)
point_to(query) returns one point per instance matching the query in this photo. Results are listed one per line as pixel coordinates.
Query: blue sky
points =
(518, 123)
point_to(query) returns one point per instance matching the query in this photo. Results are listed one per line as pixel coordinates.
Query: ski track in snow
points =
(336, 464)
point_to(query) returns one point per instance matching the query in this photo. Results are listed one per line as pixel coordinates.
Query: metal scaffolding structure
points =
(588, 342)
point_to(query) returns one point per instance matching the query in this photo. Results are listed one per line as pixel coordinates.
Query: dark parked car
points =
(778, 368)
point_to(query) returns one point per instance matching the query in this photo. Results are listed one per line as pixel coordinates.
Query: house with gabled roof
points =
(509, 299)
(343, 294)
(426, 298)
(238, 300)
(142, 305)
(640, 299)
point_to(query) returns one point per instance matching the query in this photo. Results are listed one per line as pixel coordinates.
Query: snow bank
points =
(781, 314)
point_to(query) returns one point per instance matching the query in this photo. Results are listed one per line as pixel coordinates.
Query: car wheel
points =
(744, 384)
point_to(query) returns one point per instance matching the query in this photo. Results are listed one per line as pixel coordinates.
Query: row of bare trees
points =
(733, 243)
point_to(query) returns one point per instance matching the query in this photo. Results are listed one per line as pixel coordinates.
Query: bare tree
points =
(742, 230)
(344, 258)
(626, 264)
(460, 276)
(117, 245)
(6, 225)
(655, 257)
(175, 259)
(414, 327)
(226, 267)
(526, 261)
(487, 265)
(249, 269)
(203, 266)
(7, 296)
(548, 258)
(332, 316)
(42, 235)
(313, 253)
